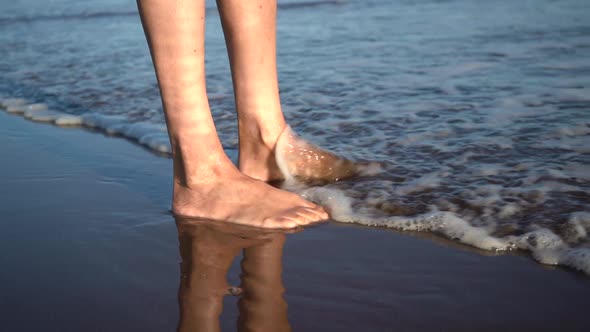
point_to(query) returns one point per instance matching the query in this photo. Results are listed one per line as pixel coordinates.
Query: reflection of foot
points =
(240, 199)
(292, 157)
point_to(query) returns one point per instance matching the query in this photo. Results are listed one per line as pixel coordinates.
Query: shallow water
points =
(480, 111)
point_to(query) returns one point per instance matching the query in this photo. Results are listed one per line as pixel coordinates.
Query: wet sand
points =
(87, 244)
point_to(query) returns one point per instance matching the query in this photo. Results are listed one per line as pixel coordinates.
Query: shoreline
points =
(445, 224)
(88, 244)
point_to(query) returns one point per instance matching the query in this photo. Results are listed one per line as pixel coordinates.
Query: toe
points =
(288, 222)
(321, 212)
(280, 223)
(309, 215)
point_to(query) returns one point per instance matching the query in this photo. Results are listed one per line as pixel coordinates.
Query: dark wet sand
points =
(87, 244)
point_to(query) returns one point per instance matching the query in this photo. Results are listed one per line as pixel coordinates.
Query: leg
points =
(250, 34)
(206, 258)
(262, 305)
(206, 183)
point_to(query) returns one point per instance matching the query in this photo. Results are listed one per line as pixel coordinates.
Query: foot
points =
(291, 157)
(240, 199)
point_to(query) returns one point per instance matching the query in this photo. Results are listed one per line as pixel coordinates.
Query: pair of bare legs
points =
(206, 183)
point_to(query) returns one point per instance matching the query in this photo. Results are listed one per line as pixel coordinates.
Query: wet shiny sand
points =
(87, 244)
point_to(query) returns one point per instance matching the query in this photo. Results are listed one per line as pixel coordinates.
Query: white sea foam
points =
(103, 122)
(578, 227)
(153, 136)
(16, 109)
(370, 169)
(479, 215)
(544, 245)
(157, 141)
(24, 108)
(141, 129)
(36, 107)
(447, 224)
(20, 106)
(427, 181)
(43, 116)
(488, 170)
(66, 120)
(548, 248)
(10, 102)
(509, 210)
(578, 130)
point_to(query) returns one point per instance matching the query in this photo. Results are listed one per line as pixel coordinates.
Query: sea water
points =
(478, 110)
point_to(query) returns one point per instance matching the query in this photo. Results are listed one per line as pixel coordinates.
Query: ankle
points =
(207, 177)
(198, 163)
(260, 135)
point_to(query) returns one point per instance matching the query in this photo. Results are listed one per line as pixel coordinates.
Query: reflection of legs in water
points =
(203, 283)
(207, 253)
(262, 306)
(250, 34)
(206, 183)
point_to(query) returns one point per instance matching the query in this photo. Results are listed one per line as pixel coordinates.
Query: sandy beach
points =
(87, 244)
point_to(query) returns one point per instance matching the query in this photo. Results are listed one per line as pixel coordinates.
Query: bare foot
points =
(240, 199)
(292, 157)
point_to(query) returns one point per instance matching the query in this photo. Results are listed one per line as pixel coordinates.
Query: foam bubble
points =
(427, 181)
(577, 227)
(152, 136)
(16, 109)
(53, 117)
(461, 69)
(157, 141)
(509, 210)
(141, 129)
(8, 102)
(582, 94)
(36, 107)
(102, 121)
(539, 240)
(578, 130)
(68, 120)
(575, 258)
(21, 108)
(42, 116)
